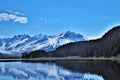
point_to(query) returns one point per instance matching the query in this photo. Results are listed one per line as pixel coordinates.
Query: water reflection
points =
(45, 71)
(109, 70)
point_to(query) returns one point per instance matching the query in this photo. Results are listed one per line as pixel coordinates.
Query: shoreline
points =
(61, 59)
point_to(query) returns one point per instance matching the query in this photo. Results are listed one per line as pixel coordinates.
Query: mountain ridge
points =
(106, 46)
(26, 43)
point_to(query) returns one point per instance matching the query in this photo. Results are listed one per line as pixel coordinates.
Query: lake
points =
(60, 70)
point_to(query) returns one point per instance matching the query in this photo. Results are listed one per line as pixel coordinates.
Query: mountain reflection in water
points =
(60, 70)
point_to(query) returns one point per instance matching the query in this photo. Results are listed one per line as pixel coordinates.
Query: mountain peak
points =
(39, 36)
(71, 35)
(68, 32)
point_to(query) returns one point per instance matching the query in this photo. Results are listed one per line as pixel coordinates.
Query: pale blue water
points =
(41, 71)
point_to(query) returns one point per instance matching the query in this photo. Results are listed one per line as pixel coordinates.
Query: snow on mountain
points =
(26, 43)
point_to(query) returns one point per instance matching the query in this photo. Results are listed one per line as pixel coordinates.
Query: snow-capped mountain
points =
(26, 43)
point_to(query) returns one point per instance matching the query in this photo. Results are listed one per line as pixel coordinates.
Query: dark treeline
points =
(107, 46)
(35, 54)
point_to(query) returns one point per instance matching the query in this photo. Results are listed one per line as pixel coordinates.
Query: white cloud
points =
(21, 20)
(14, 18)
(18, 13)
(4, 17)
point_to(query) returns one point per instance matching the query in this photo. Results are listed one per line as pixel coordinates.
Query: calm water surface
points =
(60, 70)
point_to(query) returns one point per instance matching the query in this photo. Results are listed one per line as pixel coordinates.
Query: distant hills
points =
(25, 43)
(107, 46)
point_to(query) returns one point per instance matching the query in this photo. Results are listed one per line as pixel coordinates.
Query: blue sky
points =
(91, 18)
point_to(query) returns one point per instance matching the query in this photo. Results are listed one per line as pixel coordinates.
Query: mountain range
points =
(25, 43)
(106, 46)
